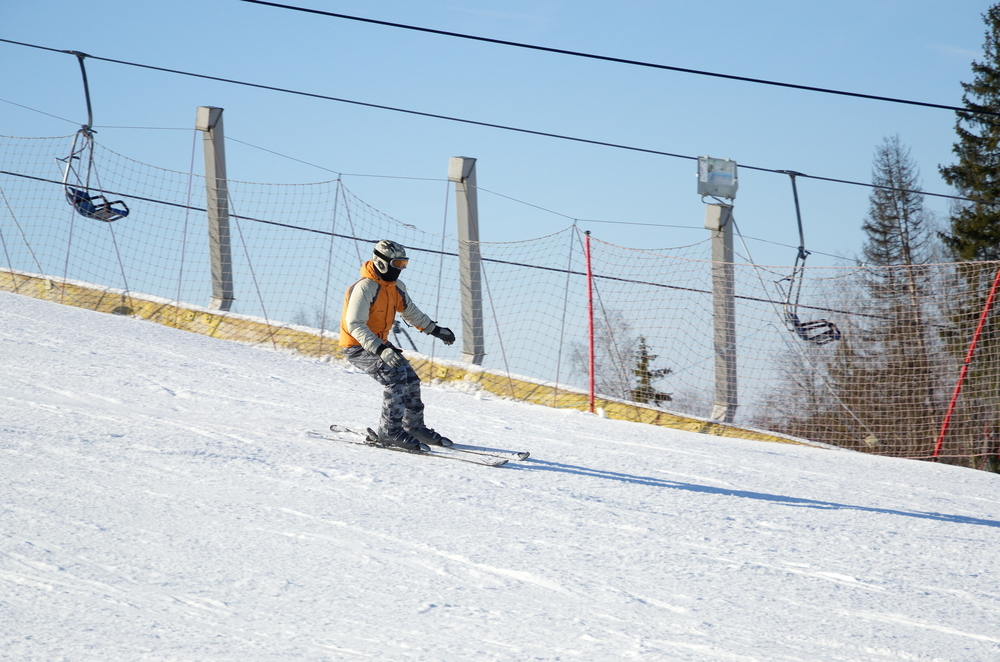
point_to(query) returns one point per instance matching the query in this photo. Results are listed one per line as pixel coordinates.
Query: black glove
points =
(443, 334)
(391, 356)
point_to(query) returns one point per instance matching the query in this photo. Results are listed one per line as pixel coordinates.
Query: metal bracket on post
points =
(462, 171)
(209, 121)
(718, 220)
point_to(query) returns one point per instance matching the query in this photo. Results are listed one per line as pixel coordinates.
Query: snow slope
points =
(160, 500)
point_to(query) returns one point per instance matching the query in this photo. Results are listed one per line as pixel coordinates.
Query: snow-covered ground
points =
(161, 500)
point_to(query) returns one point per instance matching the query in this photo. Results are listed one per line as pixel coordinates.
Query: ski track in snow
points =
(161, 500)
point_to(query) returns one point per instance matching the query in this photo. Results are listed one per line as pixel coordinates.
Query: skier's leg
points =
(391, 422)
(394, 382)
(413, 415)
(413, 405)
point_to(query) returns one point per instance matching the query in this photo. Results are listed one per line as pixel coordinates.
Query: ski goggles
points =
(395, 263)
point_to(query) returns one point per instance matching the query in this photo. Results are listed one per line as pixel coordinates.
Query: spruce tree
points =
(623, 363)
(896, 225)
(898, 345)
(974, 232)
(974, 237)
(884, 373)
(646, 374)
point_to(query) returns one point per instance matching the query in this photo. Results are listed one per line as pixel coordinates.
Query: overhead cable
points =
(490, 125)
(637, 63)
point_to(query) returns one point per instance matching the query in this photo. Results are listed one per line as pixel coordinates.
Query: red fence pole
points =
(590, 319)
(965, 366)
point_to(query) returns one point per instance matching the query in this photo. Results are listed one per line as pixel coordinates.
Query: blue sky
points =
(920, 50)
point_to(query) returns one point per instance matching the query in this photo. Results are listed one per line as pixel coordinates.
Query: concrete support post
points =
(462, 171)
(209, 122)
(718, 220)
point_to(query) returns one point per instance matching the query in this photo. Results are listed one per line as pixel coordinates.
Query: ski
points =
(462, 448)
(347, 435)
(492, 452)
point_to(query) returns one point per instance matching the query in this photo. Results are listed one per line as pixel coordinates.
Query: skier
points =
(370, 307)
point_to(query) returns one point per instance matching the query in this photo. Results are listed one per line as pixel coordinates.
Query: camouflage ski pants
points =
(401, 403)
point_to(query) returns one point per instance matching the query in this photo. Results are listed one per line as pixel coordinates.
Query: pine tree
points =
(975, 227)
(623, 364)
(898, 348)
(896, 226)
(645, 375)
(974, 237)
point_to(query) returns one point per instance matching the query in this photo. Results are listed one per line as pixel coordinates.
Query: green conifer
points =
(974, 234)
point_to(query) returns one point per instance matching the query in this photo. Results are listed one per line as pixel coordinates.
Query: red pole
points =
(590, 318)
(965, 366)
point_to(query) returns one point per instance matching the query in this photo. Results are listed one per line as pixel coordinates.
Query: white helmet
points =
(389, 259)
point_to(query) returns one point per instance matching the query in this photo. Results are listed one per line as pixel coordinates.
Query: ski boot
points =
(401, 439)
(429, 437)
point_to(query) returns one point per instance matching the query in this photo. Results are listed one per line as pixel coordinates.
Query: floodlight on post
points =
(717, 178)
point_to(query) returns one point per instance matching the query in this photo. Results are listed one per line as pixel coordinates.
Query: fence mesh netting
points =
(864, 358)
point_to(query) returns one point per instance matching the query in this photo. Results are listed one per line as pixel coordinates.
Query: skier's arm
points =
(413, 315)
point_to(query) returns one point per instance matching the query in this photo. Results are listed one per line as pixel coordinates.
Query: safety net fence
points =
(866, 358)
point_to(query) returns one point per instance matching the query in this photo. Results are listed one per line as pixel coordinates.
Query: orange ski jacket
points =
(370, 307)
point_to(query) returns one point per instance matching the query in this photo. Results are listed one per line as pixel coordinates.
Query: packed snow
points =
(161, 499)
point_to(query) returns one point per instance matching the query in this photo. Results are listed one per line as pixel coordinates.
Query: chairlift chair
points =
(96, 206)
(76, 183)
(76, 180)
(817, 332)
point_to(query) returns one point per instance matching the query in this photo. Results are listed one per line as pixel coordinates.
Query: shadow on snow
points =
(541, 465)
